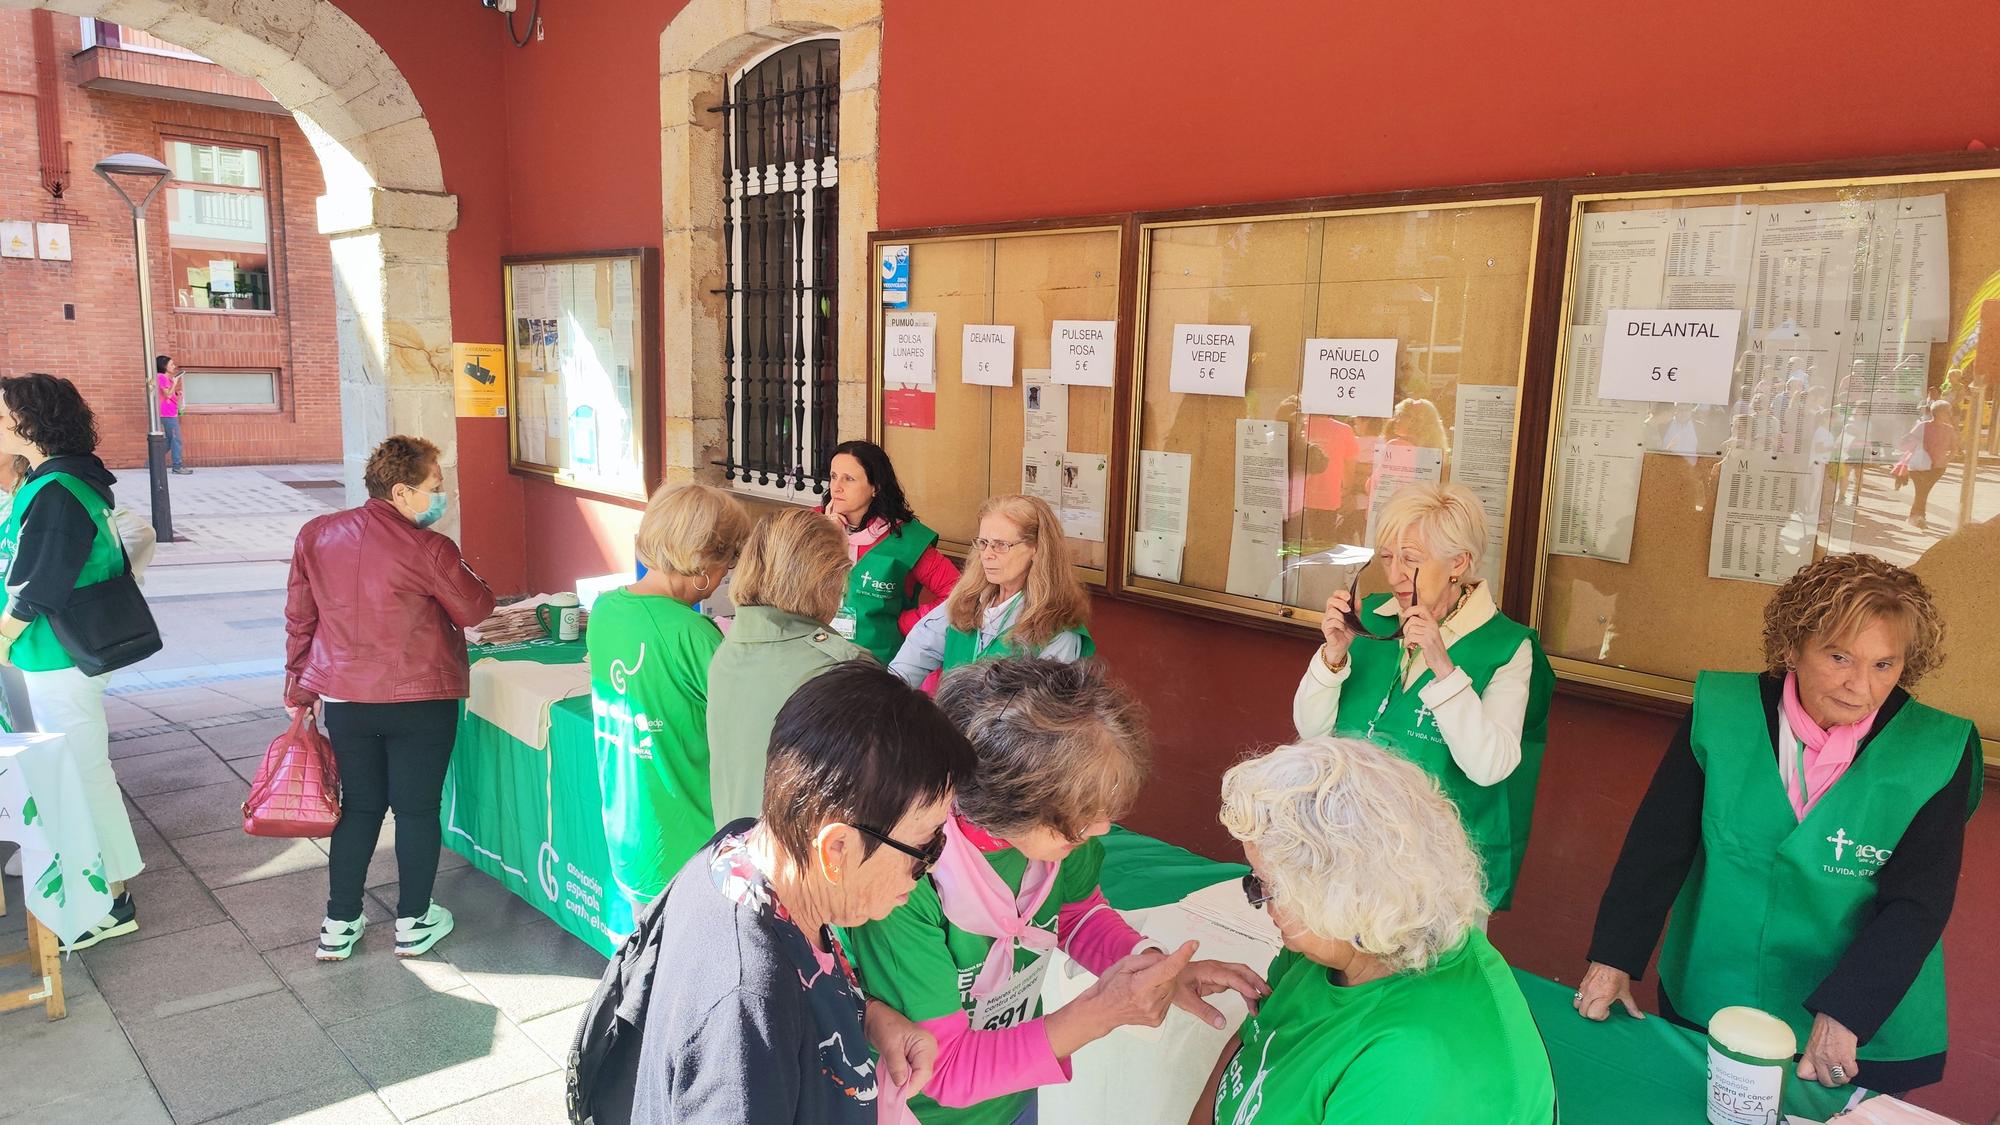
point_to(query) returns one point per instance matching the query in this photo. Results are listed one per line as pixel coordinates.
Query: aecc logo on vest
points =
(878, 587)
(1863, 862)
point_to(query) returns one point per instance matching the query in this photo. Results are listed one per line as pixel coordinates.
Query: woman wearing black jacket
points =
(62, 537)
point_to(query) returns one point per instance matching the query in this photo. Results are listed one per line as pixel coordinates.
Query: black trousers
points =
(391, 756)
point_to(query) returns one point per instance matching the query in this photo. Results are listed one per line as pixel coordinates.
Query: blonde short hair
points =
(1360, 846)
(1447, 517)
(795, 561)
(689, 528)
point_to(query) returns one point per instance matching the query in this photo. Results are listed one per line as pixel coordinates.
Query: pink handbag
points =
(297, 790)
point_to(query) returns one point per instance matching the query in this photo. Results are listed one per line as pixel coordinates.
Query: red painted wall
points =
(1046, 108)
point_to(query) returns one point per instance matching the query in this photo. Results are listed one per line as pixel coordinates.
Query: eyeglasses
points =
(1352, 617)
(1255, 891)
(997, 546)
(925, 857)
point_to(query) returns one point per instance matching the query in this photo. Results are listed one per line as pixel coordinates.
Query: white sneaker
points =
(338, 939)
(415, 936)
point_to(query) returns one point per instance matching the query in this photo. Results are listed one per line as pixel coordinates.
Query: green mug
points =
(561, 617)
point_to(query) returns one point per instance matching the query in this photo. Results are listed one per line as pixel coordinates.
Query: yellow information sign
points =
(478, 380)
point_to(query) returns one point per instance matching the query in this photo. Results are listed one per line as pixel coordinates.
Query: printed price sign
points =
(1669, 355)
(1211, 359)
(1355, 378)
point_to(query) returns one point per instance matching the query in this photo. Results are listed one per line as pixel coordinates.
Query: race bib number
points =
(1014, 1004)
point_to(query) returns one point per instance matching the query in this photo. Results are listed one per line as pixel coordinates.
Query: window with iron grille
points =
(781, 236)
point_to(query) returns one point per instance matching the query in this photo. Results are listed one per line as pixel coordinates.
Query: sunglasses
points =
(1352, 617)
(1255, 891)
(922, 859)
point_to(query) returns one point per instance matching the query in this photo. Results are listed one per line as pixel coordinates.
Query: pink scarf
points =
(978, 901)
(1827, 753)
(858, 542)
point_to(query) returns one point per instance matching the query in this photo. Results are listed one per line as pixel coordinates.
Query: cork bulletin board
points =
(1897, 268)
(956, 443)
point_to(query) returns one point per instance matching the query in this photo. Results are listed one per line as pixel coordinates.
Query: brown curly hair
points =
(399, 460)
(1838, 596)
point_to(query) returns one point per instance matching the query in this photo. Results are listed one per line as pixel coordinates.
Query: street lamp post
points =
(145, 172)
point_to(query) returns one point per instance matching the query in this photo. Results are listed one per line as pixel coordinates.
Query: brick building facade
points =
(273, 336)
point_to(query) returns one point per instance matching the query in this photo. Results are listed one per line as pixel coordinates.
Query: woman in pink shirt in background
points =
(167, 374)
(1061, 751)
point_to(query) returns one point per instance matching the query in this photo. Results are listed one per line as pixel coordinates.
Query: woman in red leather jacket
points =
(374, 616)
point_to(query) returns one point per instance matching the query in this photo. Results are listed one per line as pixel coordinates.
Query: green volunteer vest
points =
(1773, 902)
(37, 650)
(962, 648)
(876, 597)
(1375, 706)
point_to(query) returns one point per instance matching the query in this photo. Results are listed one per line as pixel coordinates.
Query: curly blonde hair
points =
(1360, 846)
(1838, 596)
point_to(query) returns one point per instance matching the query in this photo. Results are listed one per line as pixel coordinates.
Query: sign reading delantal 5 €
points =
(1670, 355)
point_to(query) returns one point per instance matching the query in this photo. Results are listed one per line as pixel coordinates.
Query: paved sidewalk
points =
(216, 1011)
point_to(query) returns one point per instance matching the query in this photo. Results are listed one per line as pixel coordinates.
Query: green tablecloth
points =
(1634, 1072)
(532, 818)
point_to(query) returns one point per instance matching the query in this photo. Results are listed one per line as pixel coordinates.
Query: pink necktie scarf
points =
(978, 901)
(1827, 754)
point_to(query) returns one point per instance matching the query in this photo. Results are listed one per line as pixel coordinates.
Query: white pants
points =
(69, 703)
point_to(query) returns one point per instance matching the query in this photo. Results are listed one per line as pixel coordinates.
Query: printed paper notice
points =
(1599, 458)
(1622, 259)
(1396, 466)
(1163, 491)
(1261, 463)
(1482, 449)
(1803, 279)
(1210, 359)
(1041, 476)
(1044, 413)
(1352, 378)
(1256, 553)
(986, 355)
(1084, 478)
(1083, 353)
(479, 390)
(1766, 516)
(1907, 287)
(909, 356)
(1157, 554)
(532, 422)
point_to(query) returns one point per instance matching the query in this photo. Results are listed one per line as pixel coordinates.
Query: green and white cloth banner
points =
(42, 808)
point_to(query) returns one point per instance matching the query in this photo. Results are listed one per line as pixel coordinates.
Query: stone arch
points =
(385, 210)
(699, 48)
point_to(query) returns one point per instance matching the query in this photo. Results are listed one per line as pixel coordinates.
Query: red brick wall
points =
(100, 348)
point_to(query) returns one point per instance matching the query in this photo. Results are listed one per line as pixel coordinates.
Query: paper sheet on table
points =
(1622, 258)
(1256, 553)
(1482, 450)
(1395, 466)
(1163, 491)
(1085, 477)
(1156, 1074)
(1766, 517)
(1907, 289)
(1044, 412)
(1803, 277)
(1261, 463)
(1599, 458)
(1157, 554)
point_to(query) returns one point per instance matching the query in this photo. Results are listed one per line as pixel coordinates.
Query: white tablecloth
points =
(42, 808)
(1144, 1076)
(515, 695)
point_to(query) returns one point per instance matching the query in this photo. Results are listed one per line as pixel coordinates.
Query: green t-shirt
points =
(649, 659)
(1456, 1043)
(920, 964)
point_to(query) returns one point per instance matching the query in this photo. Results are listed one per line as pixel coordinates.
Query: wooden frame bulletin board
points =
(583, 370)
(1452, 275)
(1664, 530)
(955, 443)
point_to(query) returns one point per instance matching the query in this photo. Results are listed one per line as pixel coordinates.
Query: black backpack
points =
(604, 1059)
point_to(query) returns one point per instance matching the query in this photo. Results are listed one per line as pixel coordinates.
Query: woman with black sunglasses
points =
(1061, 750)
(1434, 671)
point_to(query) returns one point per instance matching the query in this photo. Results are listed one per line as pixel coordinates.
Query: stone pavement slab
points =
(158, 978)
(287, 909)
(170, 770)
(374, 979)
(538, 1101)
(556, 1032)
(228, 857)
(153, 744)
(227, 1057)
(180, 705)
(346, 1100)
(439, 1051)
(170, 900)
(191, 812)
(244, 740)
(78, 1068)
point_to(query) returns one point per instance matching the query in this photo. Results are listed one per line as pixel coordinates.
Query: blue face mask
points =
(434, 513)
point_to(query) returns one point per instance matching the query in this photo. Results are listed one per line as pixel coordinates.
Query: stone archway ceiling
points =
(385, 211)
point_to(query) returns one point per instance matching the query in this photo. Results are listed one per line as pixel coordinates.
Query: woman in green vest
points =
(786, 589)
(1062, 752)
(60, 537)
(1387, 1003)
(1805, 829)
(649, 655)
(899, 573)
(1022, 599)
(1434, 671)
